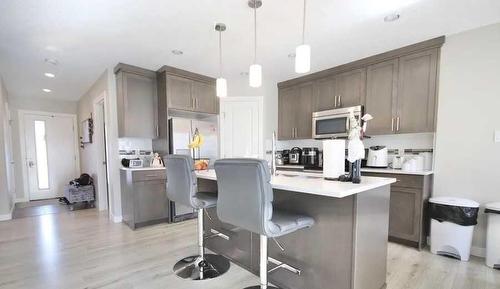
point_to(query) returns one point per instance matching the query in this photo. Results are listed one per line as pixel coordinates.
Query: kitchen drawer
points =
(149, 175)
(403, 181)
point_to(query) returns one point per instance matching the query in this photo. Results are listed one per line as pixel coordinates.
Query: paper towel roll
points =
(333, 158)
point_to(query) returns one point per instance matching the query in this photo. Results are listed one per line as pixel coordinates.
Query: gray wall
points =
(467, 158)
(6, 199)
(35, 104)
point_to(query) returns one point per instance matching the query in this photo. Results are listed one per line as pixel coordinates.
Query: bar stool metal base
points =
(195, 268)
(258, 287)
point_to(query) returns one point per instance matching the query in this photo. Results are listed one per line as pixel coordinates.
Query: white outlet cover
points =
(497, 136)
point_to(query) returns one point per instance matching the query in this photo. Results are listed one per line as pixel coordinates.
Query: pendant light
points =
(255, 72)
(221, 83)
(303, 51)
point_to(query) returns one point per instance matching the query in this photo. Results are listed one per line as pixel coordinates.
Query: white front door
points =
(241, 127)
(50, 154)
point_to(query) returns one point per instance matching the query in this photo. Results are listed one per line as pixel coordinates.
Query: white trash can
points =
(452, 226)
(493, 235)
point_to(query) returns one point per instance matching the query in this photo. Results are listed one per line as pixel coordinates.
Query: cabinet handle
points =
(293, 131)
(340, 100)
(398, 121)
(296, 132)
(335, 101)
(392, 124)
(195, 102)
(157, 130)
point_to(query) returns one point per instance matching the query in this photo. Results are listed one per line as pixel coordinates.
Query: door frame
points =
(260, 101)
(102, 98)
(22, 141)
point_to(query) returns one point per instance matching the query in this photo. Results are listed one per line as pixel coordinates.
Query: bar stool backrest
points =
(182, 183)
(245, 194)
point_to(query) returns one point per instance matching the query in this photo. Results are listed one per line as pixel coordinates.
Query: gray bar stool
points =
(245, 199)
(182, 188)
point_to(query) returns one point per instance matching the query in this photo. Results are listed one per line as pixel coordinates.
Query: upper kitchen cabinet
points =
(381, 96)
(179, 91)
(136, 102)
(350, 87)
(188, 91)
(416, 108)
(324, 97)
(295, 107)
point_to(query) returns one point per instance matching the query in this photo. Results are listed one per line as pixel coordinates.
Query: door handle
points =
(31, 164)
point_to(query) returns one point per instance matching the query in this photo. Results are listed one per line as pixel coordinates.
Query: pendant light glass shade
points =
(303, 58)
(221, 87)
(255, 75)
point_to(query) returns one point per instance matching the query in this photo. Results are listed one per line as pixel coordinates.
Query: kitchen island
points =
(345, 249)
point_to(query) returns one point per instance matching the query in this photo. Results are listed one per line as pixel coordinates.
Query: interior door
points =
(9, 155)
(241, 127)
(50, 154)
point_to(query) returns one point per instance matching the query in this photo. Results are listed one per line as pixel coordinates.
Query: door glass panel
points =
(41, 155)
(331, 126)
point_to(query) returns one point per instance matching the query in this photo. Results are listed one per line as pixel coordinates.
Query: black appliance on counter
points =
(311, 158)
(285, 155)
(295, 156)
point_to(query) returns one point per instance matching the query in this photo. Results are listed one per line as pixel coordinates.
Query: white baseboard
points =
(116, 219)
(478, 251)
(8, 216)
(21, 200)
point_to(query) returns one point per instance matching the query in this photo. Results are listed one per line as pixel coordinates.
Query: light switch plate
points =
(497, 136)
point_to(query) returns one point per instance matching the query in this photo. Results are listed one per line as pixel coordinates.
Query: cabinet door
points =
(138, 107)
(417, 92)
(350, 87)
(205, 97)
(324, 94)
(381, 93)
(303, 111)
(404, 214)
(150, 200)
(286, 110)
(179, 92)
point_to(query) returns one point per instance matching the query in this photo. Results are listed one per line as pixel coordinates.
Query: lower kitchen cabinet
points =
(144, 197)
(408, 218)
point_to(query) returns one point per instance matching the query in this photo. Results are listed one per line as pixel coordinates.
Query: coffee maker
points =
(311, 158)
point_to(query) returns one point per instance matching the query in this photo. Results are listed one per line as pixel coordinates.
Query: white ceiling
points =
(88, 36)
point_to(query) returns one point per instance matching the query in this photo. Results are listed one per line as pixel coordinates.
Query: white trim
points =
(21, 200)
(7, 217)
(102, 98)
(22, 140)
(260, 100)
(478, 251)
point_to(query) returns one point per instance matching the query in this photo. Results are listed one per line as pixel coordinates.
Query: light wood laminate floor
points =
(83, 249)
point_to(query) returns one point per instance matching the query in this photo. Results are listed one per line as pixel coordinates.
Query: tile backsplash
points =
(399, 141)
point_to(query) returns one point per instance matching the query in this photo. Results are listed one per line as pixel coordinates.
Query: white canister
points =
(409, 164)
(419, 163)
(333, 159)
(427, 160)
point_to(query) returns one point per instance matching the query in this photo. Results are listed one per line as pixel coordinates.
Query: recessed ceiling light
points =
(391, 17)
(49, 75)
(47, 90)
(177, 52)
(291, 55)
(51, 61)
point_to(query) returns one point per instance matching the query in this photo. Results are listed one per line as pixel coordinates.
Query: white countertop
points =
(396, 171)
(315, 184)
(141, 169)
(367, 170)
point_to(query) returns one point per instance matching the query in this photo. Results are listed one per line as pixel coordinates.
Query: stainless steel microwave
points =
(334, 123)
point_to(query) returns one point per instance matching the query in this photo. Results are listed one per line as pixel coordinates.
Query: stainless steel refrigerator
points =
(181, 131)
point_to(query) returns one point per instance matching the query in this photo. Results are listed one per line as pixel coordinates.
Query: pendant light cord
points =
(304, 24)
(255, 31)
(220, 53)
